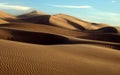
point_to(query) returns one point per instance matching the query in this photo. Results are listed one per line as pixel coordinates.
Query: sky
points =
(100, 11)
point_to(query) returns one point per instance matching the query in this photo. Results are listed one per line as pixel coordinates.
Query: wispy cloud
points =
(114, 1)
(105, 17)
(14, 7)
(72, 6)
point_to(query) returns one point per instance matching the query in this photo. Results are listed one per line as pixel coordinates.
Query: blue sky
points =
(103, 11)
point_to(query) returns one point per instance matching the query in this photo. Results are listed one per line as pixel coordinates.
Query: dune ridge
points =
(61, 20)
(31, 14)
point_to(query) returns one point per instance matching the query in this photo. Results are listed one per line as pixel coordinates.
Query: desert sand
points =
(3, 21)
(37, 43)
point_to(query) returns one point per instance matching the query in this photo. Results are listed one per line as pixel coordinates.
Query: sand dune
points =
(31, 37)
(80, 22)
(43, 28)
(37, 43)
(3, 21)
(5, 15)
(74, 21)
(109, 33)
(118, 29)
(40, 19)
(60, 20)
(20, 58)
(54, 39)
(105, 30)
(31, 14)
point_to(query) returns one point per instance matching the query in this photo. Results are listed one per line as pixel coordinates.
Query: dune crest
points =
(31, 14)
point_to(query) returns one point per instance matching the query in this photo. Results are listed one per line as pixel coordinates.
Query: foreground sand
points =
(81, 59)
(42, 44)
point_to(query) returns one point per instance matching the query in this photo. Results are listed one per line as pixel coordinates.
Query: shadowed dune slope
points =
(107, 29)
(31, 37)
(20, 58)
(60, 22)
(118, 29)
(31, 14)
(40, 19)
(54, 39)
(43, 28)
(94, 35)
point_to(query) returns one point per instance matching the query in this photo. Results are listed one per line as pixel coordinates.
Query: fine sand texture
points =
(37, 43)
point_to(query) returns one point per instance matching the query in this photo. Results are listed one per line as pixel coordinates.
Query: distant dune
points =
(5, 15)
(37, 43)
(31, 14)
(80, 22)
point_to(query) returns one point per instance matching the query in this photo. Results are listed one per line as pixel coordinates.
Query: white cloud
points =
(71, 6)
(114, 1)
(105, 17)
(14, 7)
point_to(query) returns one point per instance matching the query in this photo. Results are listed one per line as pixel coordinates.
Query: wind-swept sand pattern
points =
(36, 43)
(20, 58)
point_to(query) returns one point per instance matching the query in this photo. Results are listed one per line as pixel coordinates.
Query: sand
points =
(36, 43)
(5, 15)
(3, 21)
